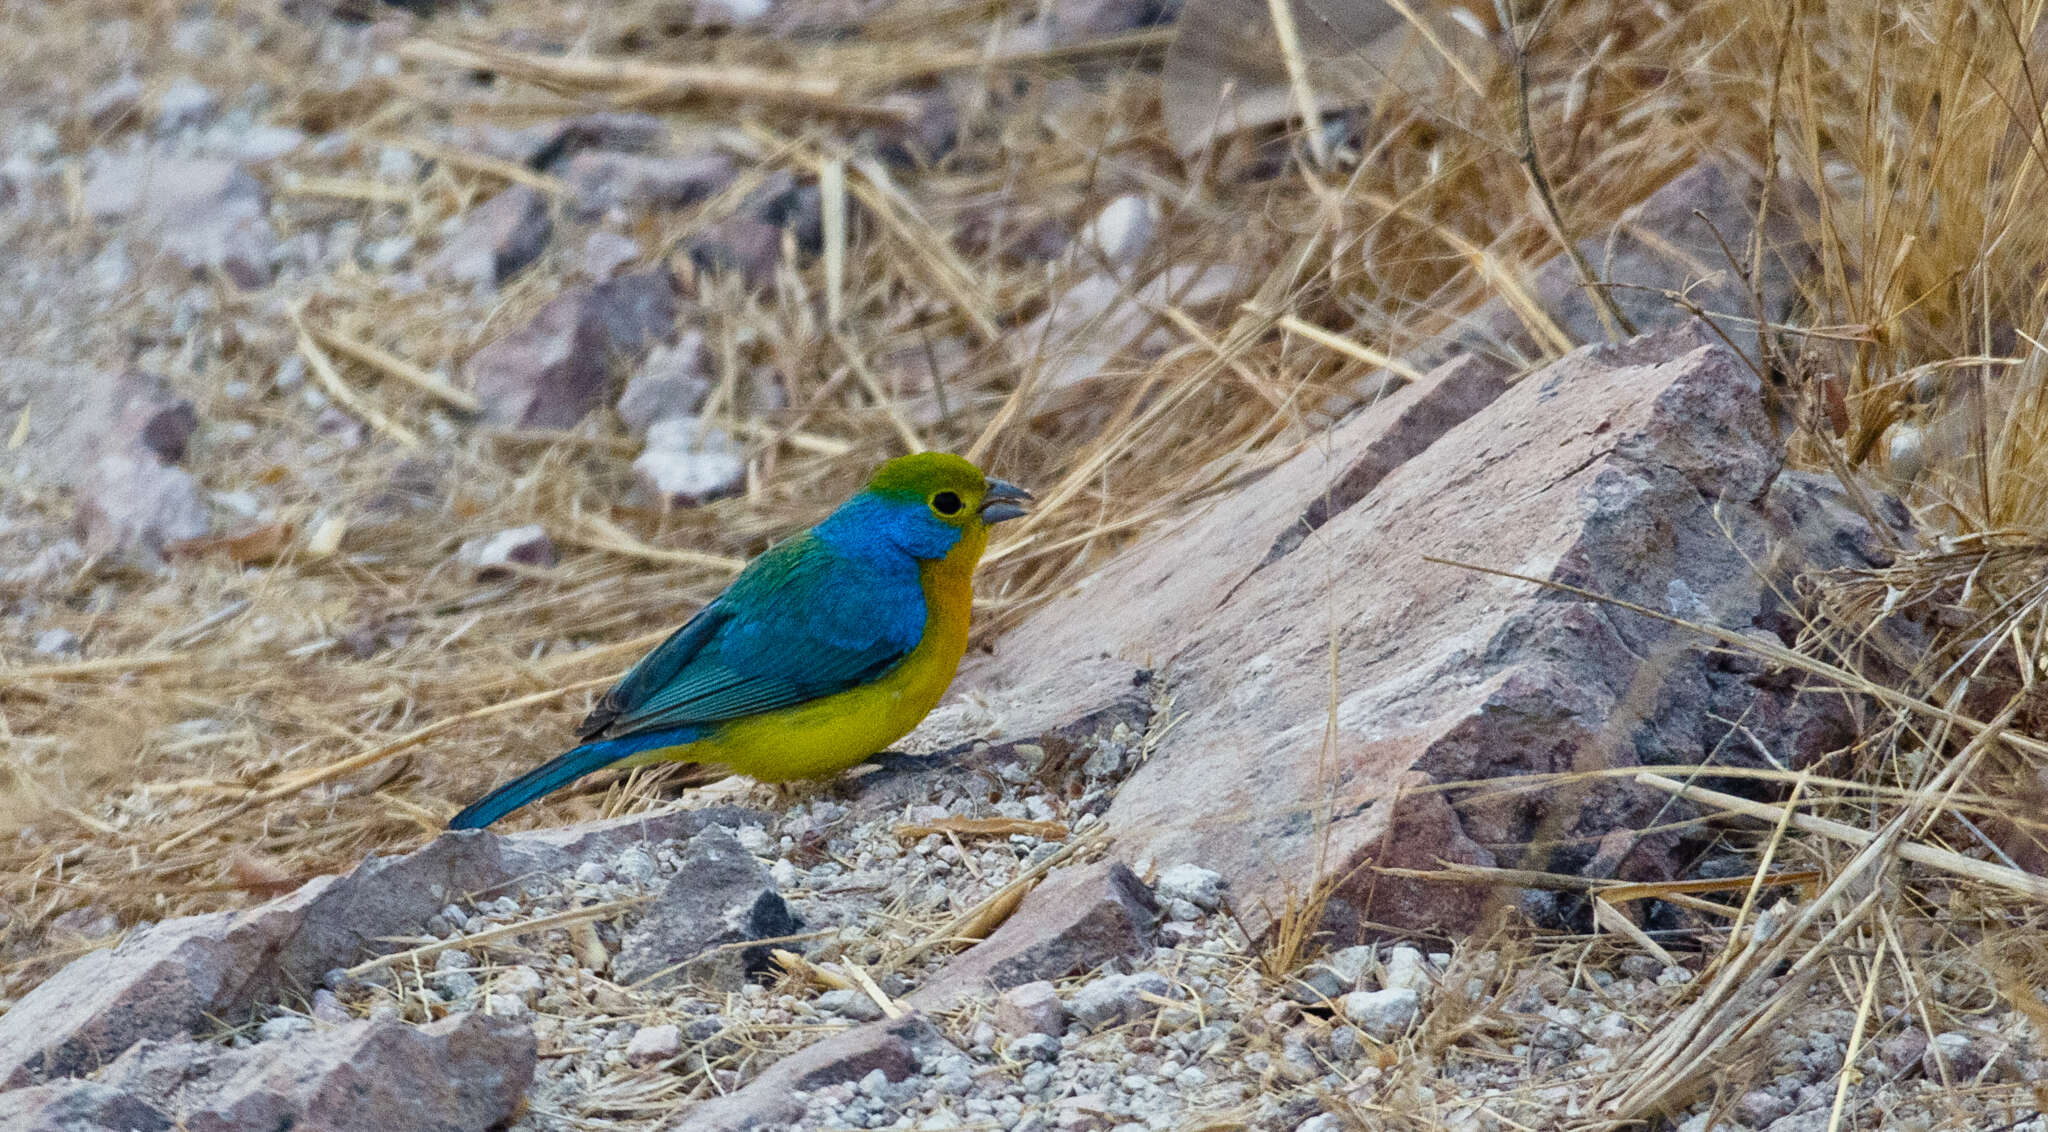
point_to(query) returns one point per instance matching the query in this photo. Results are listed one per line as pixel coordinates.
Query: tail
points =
(558, 772)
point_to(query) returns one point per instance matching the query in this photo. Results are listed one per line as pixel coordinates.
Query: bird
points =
(824, 650)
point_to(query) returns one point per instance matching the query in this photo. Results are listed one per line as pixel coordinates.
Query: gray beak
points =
(1002, 501)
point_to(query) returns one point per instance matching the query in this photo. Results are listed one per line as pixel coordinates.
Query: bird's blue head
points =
(922, 505)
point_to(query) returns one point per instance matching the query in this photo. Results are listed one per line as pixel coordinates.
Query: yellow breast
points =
(825, 736)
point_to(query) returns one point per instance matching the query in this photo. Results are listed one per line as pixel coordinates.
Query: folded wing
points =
(800, 623)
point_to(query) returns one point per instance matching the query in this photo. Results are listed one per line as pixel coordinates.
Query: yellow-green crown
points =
(925, 473)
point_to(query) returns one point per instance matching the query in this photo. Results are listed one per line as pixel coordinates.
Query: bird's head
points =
(923, 503)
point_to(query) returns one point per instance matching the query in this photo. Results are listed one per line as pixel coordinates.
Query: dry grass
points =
(236, 728)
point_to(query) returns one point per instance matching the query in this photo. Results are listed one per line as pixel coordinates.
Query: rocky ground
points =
(377, 379)
(625, 975)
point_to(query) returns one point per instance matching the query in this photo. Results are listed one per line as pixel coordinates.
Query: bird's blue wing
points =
(801, 622)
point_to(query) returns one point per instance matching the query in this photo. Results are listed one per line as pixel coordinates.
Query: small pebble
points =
(1198, 886)
(650, 1044)
(522, 983)
(1352, 965)
(849, 1004)
(1116, 998)
(1036, 1047)
(1641, 967)
(635, 865)
(1032, 1008)
(1383, 1014)
(283, 1026)
(1406, 970)
(328, 1009)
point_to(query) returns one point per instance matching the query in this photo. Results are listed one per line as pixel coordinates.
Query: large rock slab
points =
(1344, 702)
(166, 980)
(461, 1074)
(78, 1106)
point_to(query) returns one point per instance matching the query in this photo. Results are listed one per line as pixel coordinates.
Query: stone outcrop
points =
(1352, 695)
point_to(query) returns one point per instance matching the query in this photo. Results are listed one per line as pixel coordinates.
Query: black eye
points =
(946, 503)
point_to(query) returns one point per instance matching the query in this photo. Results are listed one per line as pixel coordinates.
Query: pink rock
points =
(155, 984)
(206, 212)
(601, 180)
(605, 253)
(466, 1073)
(1077, 21)
(1076, 919)
(132, 500)
(651, 1044)
(720, 900)
(551, 371)
(750, 241)
(747, 246)
(1672, 240)
(77, 1106)
(496, 239)
(128, 435)
(1102, 317)
(1032, 1008)
(929, 130)
(151, 417)
(1644, 471)
(770, 1099)
(673, 382)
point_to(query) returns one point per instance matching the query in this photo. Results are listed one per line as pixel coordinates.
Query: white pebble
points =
(283, 1026)
(522, 983)
(1383, 1014)
(1406, 970)
(654, 1043)
(635, 865)
(1198, 886)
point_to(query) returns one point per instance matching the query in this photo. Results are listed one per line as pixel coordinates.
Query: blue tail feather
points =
(560, 771)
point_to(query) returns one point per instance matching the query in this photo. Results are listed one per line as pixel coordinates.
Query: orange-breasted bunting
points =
(823, 651)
